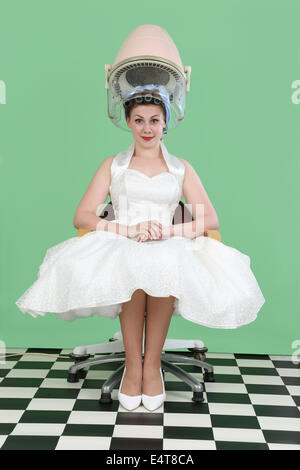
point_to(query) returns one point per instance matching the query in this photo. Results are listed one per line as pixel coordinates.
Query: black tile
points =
(267, 371)
(285, 364)
(230, 421)
(277, 411)
(267, 389)
(262, 357)
(184, 407)
(123, 443)
(223, 445)
(290, 380)
(103, 430)
(30, 443)
(228, 378)
(94, 405)
(46, 392)
(45, 416)
(296, 399)
(282, 437)
(6, 428)
(14, 403)
(185, 432)
(33, 365)
(58, 374)
(148, 419)
(228, 398)
(44, 350)
(21, 382)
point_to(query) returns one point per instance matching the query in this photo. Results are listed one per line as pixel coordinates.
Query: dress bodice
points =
(137, 197)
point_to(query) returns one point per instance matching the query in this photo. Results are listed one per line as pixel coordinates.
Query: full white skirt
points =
(212, 283)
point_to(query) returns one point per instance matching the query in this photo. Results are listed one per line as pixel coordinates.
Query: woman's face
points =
(147, 121)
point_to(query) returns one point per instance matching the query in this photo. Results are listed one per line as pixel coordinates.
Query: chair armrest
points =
(213, 234)
(83, 231)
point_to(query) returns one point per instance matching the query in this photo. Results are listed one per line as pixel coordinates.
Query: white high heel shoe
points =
(154, 402)
(127, 401)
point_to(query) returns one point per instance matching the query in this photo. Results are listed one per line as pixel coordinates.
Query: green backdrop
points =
(240, 132)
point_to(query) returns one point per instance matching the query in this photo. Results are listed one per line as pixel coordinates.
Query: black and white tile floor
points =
(254, 403)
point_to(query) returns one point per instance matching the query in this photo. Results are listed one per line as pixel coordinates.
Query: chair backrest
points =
(181, 216)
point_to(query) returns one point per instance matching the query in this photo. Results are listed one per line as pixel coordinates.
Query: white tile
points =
(284, 446)
(2, 440)
(10, 416)
(280, 358)
(293, 389)
(232, 409)
(215, 387)
(16, 350)
(83, 443)
(60, 383)
(135, 431)
(99, 374)
(255, 363)
(17, 392)
(38, 429)
(263, 379)
(28, 373)
(188, 444)
(187, 419)
(238, 435)
(92, 417)
(175, 395)
(51, 404)
(7, 365)
(279, 423)
(94, 394)
(288, 372)
(231, 370)
(61, 365)
(32, 357)
(219, 356)
(268, 399)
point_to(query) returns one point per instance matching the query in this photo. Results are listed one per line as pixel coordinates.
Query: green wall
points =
(241, 134)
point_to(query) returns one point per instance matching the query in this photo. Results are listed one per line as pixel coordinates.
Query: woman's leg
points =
(132, 325)
(159, 313)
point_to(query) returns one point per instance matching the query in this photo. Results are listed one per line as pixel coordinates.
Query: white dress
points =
(212, 283)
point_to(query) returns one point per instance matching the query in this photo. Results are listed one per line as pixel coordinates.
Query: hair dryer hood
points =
(147, 56)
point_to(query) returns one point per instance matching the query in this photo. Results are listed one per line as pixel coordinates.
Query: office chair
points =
(81, 354)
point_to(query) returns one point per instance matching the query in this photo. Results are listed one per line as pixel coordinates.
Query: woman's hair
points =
(128, 109)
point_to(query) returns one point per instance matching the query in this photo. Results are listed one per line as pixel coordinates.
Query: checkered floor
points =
(254, 403)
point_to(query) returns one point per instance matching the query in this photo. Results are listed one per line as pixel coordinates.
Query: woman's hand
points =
(147, 229)
(166, 232)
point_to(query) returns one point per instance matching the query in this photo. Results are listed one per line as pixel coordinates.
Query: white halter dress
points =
(212, 283)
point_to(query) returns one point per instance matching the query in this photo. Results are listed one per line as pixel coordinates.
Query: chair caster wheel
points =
(105, 398)
(82, 373)
(208, 377)
(73, 377)
(198, 396)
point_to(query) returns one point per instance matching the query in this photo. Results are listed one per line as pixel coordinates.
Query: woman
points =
(140, 261)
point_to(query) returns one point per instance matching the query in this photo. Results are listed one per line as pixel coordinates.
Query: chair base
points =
(77, 371)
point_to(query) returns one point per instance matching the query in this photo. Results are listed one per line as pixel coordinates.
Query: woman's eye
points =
(151, 119)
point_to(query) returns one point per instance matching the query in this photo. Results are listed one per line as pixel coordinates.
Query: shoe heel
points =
(154, 402)
(127, 401)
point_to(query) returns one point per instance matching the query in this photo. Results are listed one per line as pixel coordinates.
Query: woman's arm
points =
(197, 200)
(94, 199)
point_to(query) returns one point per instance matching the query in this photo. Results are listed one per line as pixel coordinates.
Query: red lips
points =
(147, 138)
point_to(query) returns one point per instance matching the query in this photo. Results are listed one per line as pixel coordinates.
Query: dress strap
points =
(121, 162)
